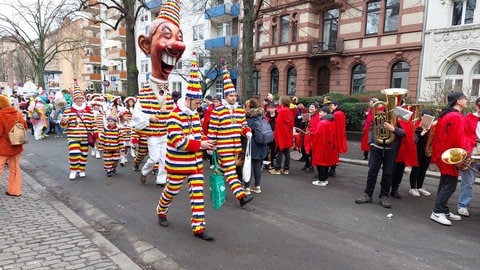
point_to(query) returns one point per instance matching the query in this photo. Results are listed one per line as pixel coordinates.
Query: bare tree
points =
(128, 11)
(33, 27)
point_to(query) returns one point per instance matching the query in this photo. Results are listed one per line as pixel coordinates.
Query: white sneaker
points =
(93, 151)
(257, 190)
(319, 183)
(247, 191)
(423, 192)
(81, 174)
(72, 175)
(414, 192)
(452, 216)
(440, 218)
(211, 166)
(97, 155)
(463, 212)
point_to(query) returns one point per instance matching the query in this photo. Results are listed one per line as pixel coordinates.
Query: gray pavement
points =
(37, 231)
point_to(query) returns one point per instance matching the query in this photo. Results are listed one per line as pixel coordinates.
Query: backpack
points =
(262, 132)
(17, 134)
(35, 114)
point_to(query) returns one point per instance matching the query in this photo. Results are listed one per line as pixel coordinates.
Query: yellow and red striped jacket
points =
(75, 128)
(151, 106)
(183, 143)
(111, 139)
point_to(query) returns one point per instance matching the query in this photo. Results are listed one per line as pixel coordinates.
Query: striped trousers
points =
(110, 160)
(227, 163)
(77, 155)
(197, 202)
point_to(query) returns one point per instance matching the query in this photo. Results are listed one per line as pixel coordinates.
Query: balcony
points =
(94, 42)
(117, 54)
(92, 59)
(154, 4)
(119, 34)
(92, 77)
(94, 26)
(222, 42)
(222, 13)
(318, 47)
(118, 74)
(91, 7)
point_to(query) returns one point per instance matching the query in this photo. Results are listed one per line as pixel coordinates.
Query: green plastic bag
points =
(217, 185)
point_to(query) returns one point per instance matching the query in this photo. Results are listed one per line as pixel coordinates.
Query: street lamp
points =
(105, 83)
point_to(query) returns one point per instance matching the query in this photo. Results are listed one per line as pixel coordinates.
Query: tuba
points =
(380, 116)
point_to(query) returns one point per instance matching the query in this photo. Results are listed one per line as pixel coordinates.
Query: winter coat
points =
(407, 146)
(258, 150)
(341, 125)
(283, 133)
(8, 117)
(324, 143)
(449, 133)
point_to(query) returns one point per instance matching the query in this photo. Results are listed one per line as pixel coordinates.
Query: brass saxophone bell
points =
(454, 156)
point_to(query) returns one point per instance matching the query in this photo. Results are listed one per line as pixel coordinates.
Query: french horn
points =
(458, 157)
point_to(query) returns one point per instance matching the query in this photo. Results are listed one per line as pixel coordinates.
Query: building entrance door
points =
(323, 81)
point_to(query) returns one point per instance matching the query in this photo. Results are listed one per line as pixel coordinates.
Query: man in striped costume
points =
(227, 126)
(184, 156)
(77, 121)
(165, 46)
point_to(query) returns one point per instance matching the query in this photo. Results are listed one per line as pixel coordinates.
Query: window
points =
(198, 32)
(144, 66)
(359, 74)
(373, 17)
(274, 31)
(330, 29)
(294, 27)
(391, 15)
(259, 37)
(463, 12)
(176, 86)
(454, 77)
(291, 81)
(219, 86)
(400, 72)
(475, 81)
(224, 29)
(256, 83)
(274, 81)
(284, 28)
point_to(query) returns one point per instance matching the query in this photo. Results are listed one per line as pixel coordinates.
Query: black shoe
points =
(245, 200)
(395, 194)
(163, 221)
(309, 170)
(332, 173)
(122, 164)
(136, 168)
(109, 174)
(161, 185)
(204, 235)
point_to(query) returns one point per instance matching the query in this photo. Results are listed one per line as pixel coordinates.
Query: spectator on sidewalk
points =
(10, 153)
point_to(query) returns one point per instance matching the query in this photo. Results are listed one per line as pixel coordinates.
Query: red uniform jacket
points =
(364, 146)
(408, 148)
(283, 133)
(324, 148)
(470, 122)
(341, 126)
(312, 127)
(449, 133)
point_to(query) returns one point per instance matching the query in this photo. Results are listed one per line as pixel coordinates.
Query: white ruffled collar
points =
(183, 108)
(79, 108)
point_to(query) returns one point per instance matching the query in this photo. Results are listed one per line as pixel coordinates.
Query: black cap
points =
(453, 97)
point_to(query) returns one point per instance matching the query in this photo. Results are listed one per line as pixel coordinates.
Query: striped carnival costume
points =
(140, 144)
(77, 121)
(227, 124)
(112, 143)
(184, 161)
(150, 115)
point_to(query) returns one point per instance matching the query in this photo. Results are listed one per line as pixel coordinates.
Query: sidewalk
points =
(39, 232)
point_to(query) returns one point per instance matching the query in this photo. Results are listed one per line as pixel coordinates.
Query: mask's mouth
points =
(168, 64)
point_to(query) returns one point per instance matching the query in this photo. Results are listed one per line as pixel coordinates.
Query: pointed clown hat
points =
(228, 86)
(170, 11)
(194, 88)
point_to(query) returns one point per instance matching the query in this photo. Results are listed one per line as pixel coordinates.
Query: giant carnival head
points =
(164, 42)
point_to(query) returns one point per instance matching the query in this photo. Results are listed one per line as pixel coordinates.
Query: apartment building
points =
(451, 56)
(311, 48)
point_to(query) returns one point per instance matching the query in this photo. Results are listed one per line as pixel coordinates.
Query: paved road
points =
(292, 224)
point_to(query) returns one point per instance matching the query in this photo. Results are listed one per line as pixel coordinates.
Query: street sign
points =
(113, 79)
(106, 83)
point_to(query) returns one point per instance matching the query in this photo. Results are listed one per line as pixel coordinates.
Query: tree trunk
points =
(247, 48)
(132, 70)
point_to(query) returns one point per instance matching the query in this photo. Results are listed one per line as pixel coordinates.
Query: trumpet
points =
(415, 109)
(394, 99)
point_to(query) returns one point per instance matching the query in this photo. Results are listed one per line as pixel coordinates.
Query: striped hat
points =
(77, 93)
(127, 99)
(194, 88)
(170, 11)
(228, 86)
